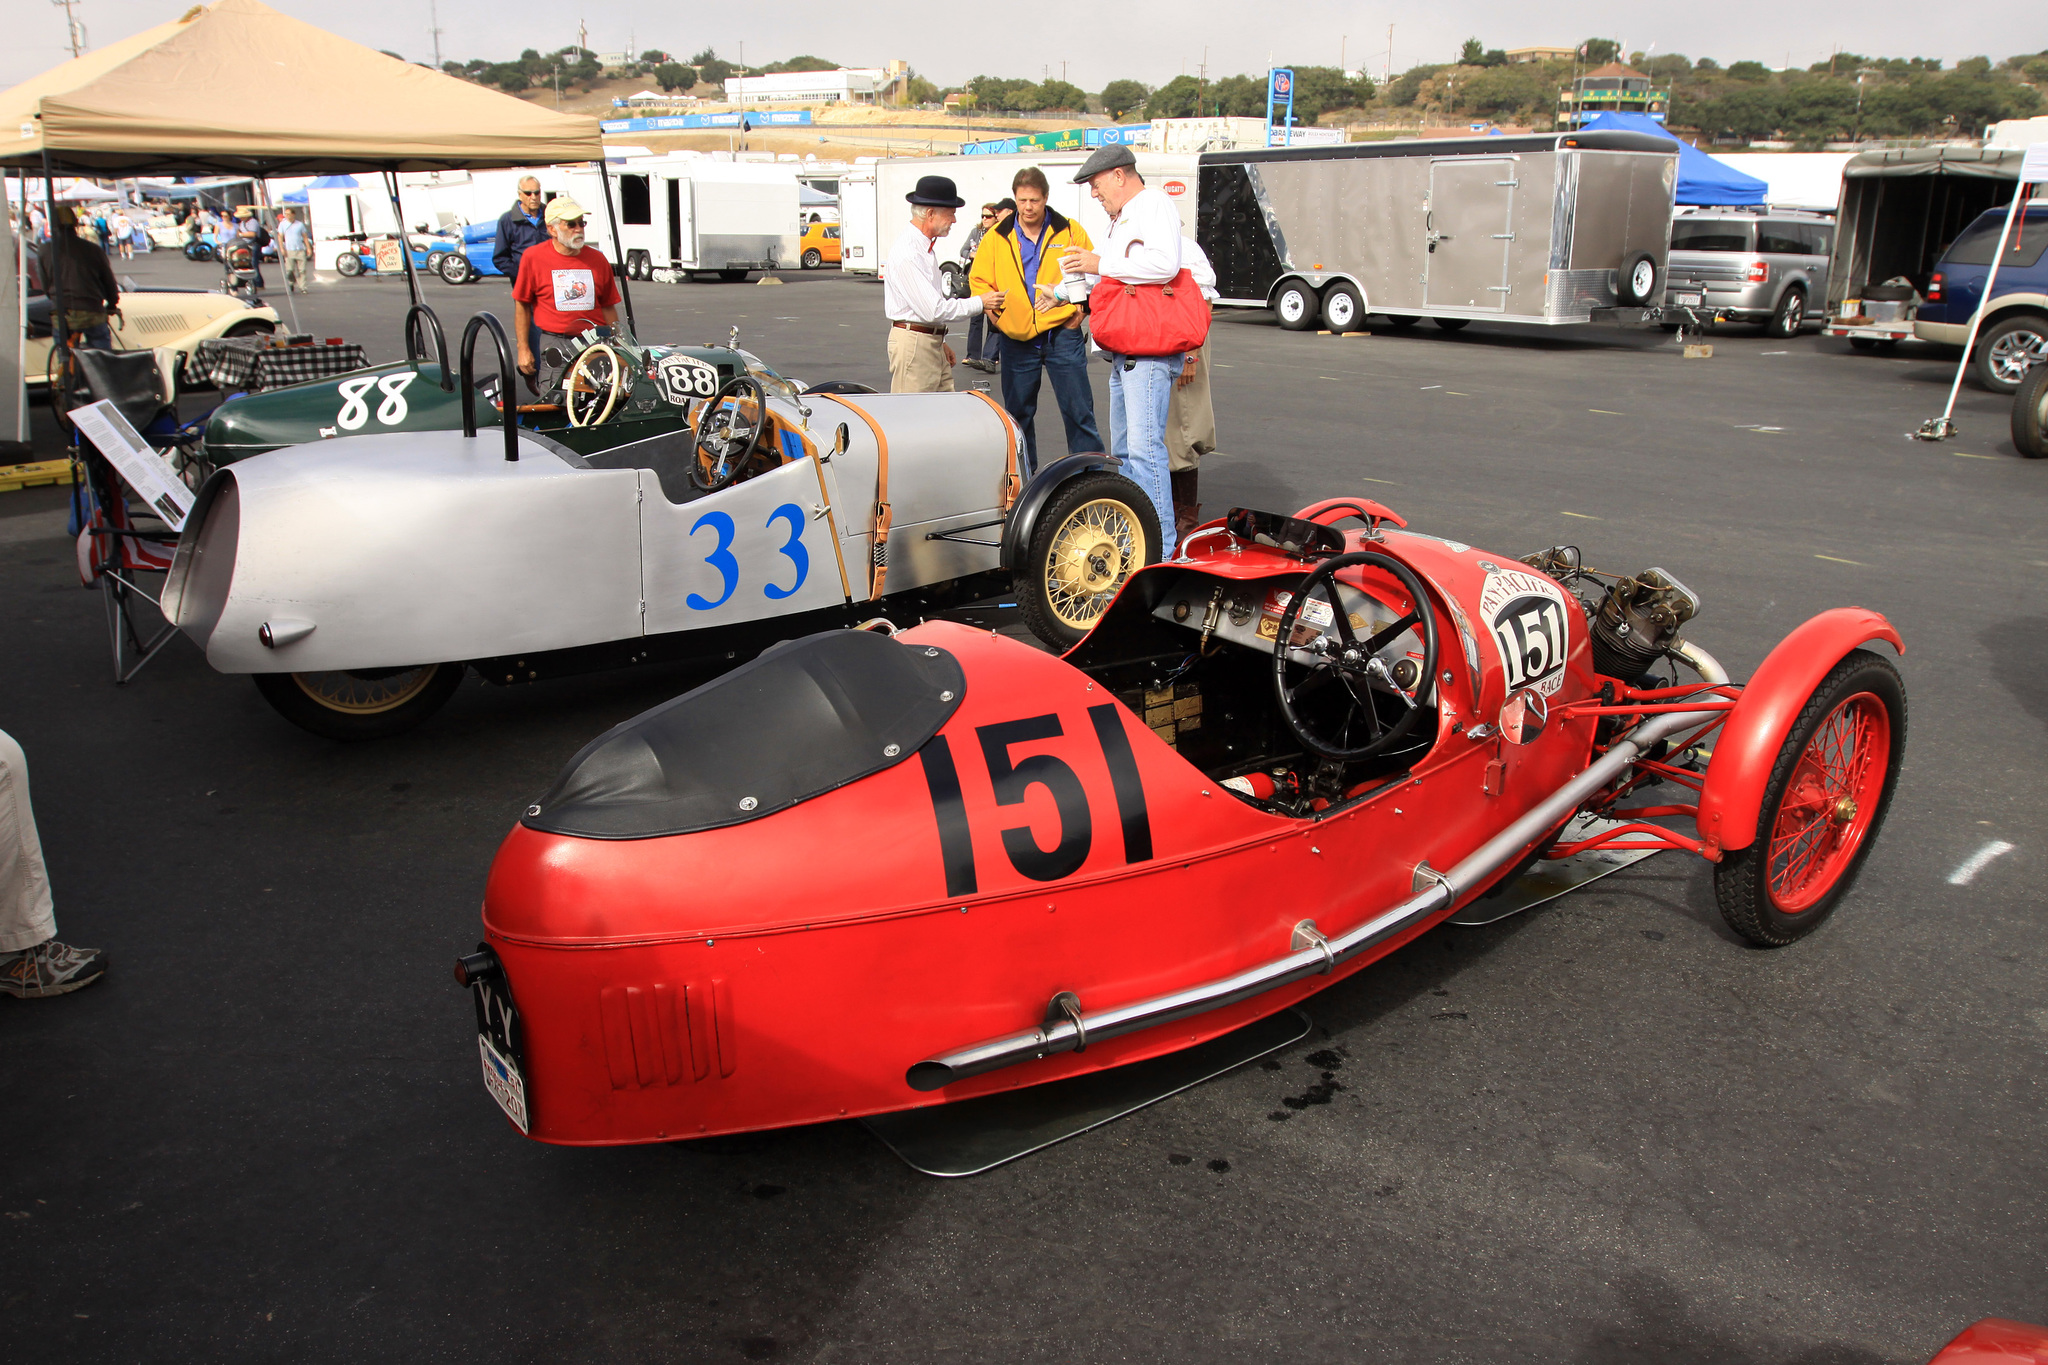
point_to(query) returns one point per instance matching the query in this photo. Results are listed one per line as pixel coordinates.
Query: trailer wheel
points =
(1863, 343)
(1343, 310)
(1638, 284)
(1403, 319)
(2030, 414)
(1296, 306)
(1450, 324)
(732, 276)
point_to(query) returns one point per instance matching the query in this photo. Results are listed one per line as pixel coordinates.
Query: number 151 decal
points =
(1012, 778)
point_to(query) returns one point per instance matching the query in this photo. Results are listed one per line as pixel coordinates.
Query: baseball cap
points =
(562, 209)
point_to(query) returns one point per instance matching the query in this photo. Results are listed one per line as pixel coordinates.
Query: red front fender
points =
(1748, 744)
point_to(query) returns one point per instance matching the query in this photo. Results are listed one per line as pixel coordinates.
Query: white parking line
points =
(1978, 861)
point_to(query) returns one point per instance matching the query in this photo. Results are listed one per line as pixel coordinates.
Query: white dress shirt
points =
(1196, 261)
(913, 290)
(1144, 245)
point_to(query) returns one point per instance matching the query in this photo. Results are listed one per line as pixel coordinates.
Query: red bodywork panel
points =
(1996, 1341)
(1748, 745)
(792, 968)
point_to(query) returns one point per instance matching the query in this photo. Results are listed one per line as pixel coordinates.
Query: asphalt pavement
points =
(1601, 1131)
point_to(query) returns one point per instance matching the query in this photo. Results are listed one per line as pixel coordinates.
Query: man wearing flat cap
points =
(1143, 248)
(914, 296)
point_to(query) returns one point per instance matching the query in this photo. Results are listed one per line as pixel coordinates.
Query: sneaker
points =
(50, 968)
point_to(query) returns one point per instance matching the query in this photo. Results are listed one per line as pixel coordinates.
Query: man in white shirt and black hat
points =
(1144, 247)
(914, 294)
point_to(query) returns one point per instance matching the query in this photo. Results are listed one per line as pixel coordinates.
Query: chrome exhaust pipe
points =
(1312, 953)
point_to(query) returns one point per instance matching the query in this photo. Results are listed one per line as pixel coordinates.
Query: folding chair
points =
(115, 543)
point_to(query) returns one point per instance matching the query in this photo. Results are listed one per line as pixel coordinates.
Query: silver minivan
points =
(1751, 265)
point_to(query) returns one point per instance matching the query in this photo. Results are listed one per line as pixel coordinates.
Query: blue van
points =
(2014, 334)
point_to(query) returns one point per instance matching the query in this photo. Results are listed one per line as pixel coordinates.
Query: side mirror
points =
(841, 439)
(1524, 716)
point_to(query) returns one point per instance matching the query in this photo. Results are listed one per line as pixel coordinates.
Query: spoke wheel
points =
(1099, 530)
(359, 704)
(1823, 805)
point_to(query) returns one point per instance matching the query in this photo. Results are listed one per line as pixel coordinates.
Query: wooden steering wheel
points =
(594, 385)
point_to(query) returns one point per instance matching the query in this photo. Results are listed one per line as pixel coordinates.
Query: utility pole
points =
(1342, 39)
(1387, 71)
(1201, 81)
(74, 27)
(434, 18)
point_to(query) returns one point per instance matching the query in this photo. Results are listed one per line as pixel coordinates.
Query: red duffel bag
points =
(1149, 319)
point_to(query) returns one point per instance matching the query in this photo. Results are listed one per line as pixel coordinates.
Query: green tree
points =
(1123, 97)
(1402, 92)
(1495, 56)
(800, 64)
(675, 77)
(707, 55)
(1245, 97)
(1506, 90)
(654, 56)
(715, 71)
(921, 91)
(1473, 53)
(1320, 89)
(1749, 71)
(509, 77)
(995, 93)
(1058, 94)
(1599, 51)
(1177, 98)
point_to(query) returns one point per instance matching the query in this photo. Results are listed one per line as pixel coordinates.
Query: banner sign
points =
(1280, 95)
(756, 118)
(1064, 140)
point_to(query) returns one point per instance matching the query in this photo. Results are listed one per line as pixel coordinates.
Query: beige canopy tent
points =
(240, 89)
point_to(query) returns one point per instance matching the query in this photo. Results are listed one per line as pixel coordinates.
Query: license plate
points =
(502, 1079)
(1687, 300)
(497, 1033)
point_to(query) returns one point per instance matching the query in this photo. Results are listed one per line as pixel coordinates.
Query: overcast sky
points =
(1140, 39)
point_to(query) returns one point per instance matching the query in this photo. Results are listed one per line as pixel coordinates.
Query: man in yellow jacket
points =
(1037, 333)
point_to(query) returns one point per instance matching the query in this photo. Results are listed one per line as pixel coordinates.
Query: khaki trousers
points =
(1191, 420)
(26, 917)
(917, 362)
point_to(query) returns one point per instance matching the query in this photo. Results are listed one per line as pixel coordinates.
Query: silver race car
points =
(658, 511)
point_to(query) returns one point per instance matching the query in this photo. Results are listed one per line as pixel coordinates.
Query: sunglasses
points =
(569, 222)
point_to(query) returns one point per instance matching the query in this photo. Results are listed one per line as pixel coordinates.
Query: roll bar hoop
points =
(507, 394)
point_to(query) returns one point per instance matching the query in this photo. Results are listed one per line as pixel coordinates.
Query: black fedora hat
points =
(937, 191)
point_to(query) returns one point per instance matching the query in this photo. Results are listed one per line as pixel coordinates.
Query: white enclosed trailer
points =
(685, 216)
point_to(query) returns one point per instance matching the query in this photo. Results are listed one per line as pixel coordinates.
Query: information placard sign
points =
(139, 466)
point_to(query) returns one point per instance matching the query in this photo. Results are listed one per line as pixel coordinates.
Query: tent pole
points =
(412, 278)
(604, 178)
(1942, 427)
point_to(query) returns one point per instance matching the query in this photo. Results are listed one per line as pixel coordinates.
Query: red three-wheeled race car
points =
(874, 871)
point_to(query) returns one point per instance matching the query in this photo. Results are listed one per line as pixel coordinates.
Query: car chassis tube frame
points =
(1314, 954)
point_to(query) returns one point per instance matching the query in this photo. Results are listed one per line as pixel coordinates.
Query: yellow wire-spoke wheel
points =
(370, 693)
(1093, 551)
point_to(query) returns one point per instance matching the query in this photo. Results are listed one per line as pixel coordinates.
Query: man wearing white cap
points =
(1143, 248)
(563, 288)
(915, 299)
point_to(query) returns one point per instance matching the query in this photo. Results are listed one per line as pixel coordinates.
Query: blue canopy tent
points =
(334, 182)
(292, 197)
(1701, 179)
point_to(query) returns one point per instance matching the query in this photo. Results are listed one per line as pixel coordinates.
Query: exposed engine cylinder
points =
(1637, 621)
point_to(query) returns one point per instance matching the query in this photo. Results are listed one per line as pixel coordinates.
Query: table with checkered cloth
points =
(250, 365)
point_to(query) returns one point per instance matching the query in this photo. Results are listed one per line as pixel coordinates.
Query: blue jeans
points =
(1063, 357)
(1138, 401)
(978, 349)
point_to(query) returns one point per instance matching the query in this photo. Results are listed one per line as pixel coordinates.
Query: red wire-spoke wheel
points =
(1823, 805)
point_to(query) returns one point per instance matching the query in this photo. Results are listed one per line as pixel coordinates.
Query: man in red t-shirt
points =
(563, 288)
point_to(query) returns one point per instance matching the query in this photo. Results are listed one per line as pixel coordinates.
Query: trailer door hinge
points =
(1503, 236)
(1509, 184)
(1500, 288)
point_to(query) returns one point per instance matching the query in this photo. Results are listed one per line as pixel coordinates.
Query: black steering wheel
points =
(1353, 662)
(727, 435)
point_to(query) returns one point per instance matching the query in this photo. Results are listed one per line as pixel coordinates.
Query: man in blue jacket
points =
(520, 227)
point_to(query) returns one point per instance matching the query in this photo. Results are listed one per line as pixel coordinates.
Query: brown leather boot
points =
(1187, 513)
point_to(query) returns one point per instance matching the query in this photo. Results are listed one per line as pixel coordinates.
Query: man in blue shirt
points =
(520, 227)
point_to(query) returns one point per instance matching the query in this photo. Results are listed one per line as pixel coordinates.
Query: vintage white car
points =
(170, 321)
(657, 514)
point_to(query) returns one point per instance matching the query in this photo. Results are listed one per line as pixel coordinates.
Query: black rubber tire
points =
(301, 708)
(456, 269)
(1626, 288)
(732, 276)
(1451, 324)
(2030, 414)
(1343, 309)
(1034, 600)
(813, 259)
(1297, 307)
(1740, 876)
(348, 265)
(251, 327)
(1863, 343)
(1403, 319)
(1789, 316)
(2032, 325)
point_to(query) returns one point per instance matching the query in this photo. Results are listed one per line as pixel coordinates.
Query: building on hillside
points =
(1540, 54)
(1613, 89)
(848, 85)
